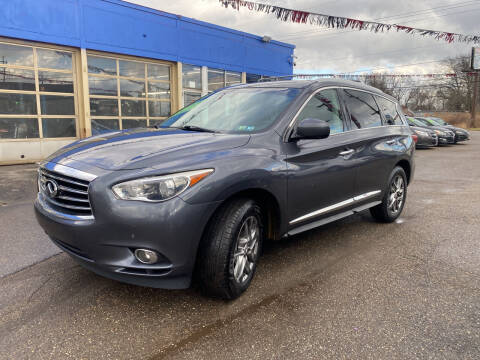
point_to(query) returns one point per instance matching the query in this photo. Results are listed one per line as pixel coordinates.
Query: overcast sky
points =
(324, 50)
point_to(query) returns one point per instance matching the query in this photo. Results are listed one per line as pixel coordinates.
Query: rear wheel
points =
(394, 199)
(230, 249)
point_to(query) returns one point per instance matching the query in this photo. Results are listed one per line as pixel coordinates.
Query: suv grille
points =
(64, 193)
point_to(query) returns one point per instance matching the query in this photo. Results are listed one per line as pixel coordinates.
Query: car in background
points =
(444, 135)
(425, 136)
(460, 134)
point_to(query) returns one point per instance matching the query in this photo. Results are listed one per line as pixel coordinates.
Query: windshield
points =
(438, 121)
(424, 122)
(432, 122)
(415, 122)
(243, 110)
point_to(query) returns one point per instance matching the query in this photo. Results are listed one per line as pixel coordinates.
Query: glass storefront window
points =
(190, 97)
(216, 79)
(132, 88)
(133, 108)
(17, 79)
(16, 55)
(253, 78)
(14, 128)
(100, 126)
(232, 78)
(103, 107)
(50, 81)
(132, 69)
(158, 72)
(58, 127)
(53, 59)
(159, 108)
(18, 104)
(133, 123)
(156, 122)
(36, 86)
(192, 83)
(57, 105)
(158, 90)
(101, 65)
(192, 77)
(102, 86)
(138, 94)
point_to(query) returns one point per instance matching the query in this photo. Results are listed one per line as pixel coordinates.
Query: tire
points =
(218, 268)
(388, 211)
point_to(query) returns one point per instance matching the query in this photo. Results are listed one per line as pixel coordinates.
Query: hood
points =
(441, 128)
(457, 129)
(424, 129)
(141, 148)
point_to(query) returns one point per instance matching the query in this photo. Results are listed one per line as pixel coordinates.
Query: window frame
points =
(340, 106)
(289, 130)
(37, 93)
(351, 125)
(384, 118)
(119, 97)
(346, 113)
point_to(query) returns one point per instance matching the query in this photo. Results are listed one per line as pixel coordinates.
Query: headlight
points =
(159, 188)
(439, 132)
(421, 133)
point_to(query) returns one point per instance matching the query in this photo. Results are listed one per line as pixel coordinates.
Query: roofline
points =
(195, 21)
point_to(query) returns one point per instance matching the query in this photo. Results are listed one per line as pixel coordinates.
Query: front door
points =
(321, 176)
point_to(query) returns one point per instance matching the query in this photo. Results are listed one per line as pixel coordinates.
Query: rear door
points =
(377, 145)
(321, 174)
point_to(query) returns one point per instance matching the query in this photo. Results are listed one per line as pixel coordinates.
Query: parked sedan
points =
(197, 196)
(460, 134)
(425, 136)
(445, 136)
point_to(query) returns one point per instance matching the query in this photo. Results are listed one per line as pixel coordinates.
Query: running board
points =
(330, 219)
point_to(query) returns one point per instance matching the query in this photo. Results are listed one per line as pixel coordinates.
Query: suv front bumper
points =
(106, 243)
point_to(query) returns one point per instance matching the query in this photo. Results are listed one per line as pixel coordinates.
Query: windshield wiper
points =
(196, 128)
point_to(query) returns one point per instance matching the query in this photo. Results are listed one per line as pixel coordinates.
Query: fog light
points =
(146, 256)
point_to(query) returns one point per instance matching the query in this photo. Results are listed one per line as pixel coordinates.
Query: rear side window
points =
(325, 106)
(364, 112)
(389, 110)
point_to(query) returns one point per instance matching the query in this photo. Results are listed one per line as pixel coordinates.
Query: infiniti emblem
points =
(51, 188)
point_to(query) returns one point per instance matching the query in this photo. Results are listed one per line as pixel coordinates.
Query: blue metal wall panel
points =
(121, 27)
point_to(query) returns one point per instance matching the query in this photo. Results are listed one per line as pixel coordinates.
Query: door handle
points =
(347, 152)
(391, 142)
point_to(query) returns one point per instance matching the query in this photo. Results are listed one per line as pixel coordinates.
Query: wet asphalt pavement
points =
(351, 289)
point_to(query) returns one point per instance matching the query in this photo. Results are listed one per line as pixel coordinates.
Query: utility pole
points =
(474, 100)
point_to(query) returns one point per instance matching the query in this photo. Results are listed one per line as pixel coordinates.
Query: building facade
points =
(74, 68)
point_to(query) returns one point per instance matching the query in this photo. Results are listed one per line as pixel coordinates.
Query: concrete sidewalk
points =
(22, 241)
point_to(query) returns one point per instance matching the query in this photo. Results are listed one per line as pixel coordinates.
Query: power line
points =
(325, 33)
(472, 2)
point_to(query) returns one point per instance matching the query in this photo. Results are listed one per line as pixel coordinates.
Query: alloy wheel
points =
(397, 194)
(246, 250)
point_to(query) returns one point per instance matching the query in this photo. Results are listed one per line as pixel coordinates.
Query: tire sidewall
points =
(251, 209)
(397, 171)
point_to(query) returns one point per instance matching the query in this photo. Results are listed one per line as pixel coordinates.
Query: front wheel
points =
(230, 249)
(394, 199)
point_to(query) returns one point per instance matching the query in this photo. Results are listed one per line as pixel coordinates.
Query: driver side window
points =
(325, 106)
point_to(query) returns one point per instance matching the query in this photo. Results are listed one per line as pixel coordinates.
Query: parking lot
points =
(351, 289)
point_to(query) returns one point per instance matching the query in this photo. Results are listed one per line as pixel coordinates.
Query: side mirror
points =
(312, 129)
(389, 119)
